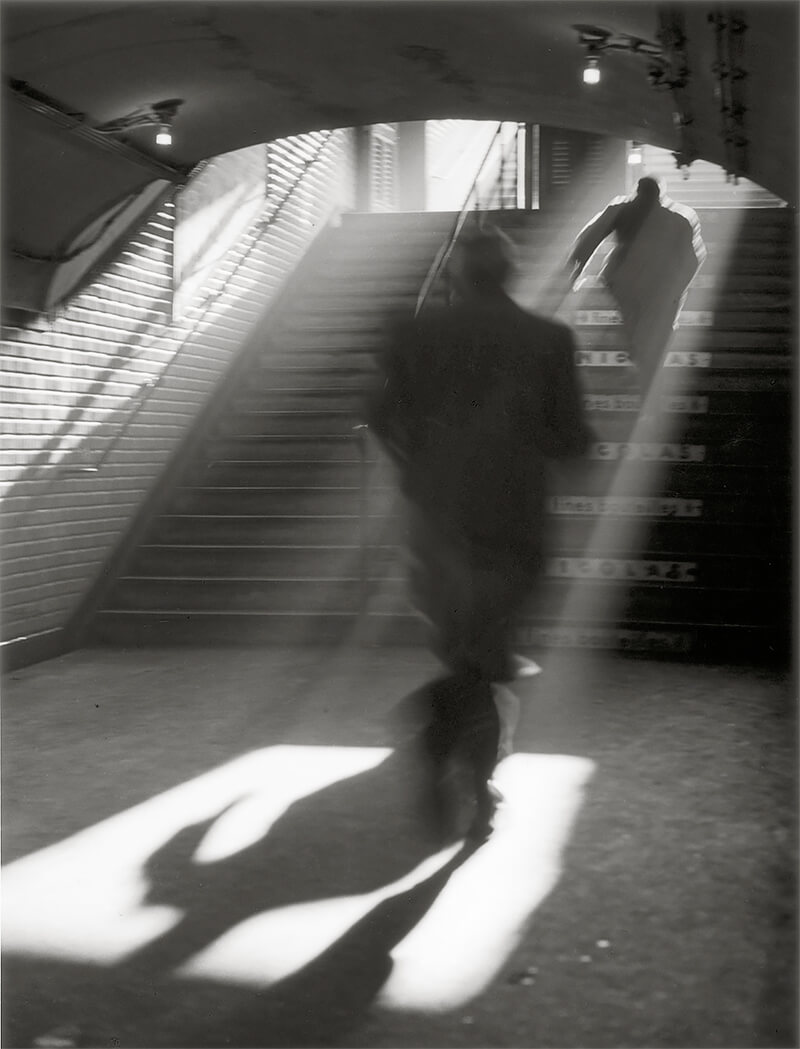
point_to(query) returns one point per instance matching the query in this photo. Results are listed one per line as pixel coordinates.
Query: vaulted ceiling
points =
(252, 71)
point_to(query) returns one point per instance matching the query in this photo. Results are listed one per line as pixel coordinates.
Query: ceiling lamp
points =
(597, 39)
(166, 112)
(157, 114)
(591, 70)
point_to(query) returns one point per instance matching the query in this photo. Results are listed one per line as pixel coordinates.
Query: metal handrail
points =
(268, 217)
(446, 249)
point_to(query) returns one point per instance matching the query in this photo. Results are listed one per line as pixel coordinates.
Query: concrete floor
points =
(228, 847)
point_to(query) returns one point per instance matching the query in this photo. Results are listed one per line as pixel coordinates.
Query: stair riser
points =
(629, 603)
(354, 300)
(604, 375)
(159, 629)
(216, 595)
(771, 404)
(316, 352)
(333, 448)
(277, 501)
(770, 431)
(724, 312)
(694, 340)
(667, 522)
(257, 531)
(746, 394)
(764, 544)
(661, 640)
(613, 444)
(720, 408)
(277, 474)
(301, 423)
(265, 398)
(693, 480)
(757, 573)
(248, 562)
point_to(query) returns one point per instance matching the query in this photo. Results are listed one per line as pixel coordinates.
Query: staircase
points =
(262, 540)
(670, 539)
(704, 185)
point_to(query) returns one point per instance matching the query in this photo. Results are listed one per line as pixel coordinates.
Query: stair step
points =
(256, 422)
(728, 407)
(258, 530)
(761, 543)
(769, 316)
(244, 499)
(287, 527)
(632, 600)
(755, 349)
(613, 443)
(349, 399)
(170, 627)
(338, 447)
(586, 500)
(278, 473)
(214, 593)
(243, 562)
(608, 372)
(666, 639)
(310, 350)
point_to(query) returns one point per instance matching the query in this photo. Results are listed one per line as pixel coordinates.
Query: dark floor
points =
(223, 847)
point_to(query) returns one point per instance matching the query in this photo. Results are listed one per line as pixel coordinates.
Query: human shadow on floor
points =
(321, 1002)
(318, 1005)
(350, 838)
(347, 839)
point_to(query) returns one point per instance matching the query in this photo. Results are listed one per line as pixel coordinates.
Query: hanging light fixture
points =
(593, 38)
(597, 40)
(166, 111)
(158, 114)
(591, 69)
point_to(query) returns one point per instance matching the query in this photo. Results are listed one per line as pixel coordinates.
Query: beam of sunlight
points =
(86, 898)
(475, 924)
(618, 536)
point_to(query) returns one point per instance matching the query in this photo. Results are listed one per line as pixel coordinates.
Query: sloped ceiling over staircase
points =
(248, 72)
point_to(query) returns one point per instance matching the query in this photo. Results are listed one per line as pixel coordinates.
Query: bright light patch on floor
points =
(83, 898)
(475, 924)
(277, 943)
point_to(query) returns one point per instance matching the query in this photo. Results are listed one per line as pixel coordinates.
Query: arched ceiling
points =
(257, 70)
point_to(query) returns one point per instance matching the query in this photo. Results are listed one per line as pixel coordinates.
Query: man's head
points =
(648, 190)
(482, 260)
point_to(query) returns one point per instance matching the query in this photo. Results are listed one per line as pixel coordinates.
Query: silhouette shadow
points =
(347, 839)
(315, 1006)
(352, 837)
(318, 1004)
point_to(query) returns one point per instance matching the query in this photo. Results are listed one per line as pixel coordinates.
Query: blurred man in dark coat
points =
(475, 398)
(658, 250)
